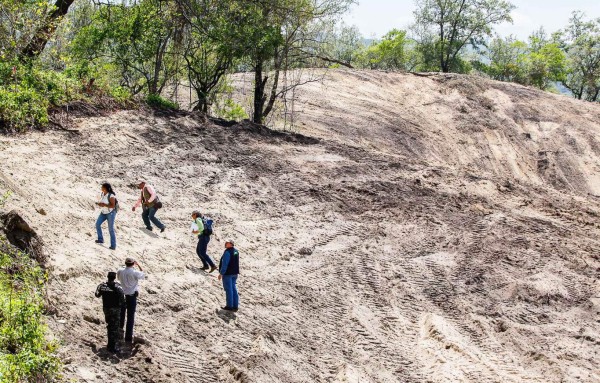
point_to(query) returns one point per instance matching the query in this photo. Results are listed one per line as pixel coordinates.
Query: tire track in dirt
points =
(362, 262)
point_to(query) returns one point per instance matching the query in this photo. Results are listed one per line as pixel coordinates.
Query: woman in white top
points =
(108, 212)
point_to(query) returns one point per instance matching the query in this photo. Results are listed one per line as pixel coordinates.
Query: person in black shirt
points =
(112, 300)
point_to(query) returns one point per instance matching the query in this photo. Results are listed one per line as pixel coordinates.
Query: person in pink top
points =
(150, 204)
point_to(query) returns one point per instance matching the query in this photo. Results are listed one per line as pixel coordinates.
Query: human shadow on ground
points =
(148, 232)
(226, 316)
(127, 351)
(198, 270)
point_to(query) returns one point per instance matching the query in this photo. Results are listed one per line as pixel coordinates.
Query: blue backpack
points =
(208, 226)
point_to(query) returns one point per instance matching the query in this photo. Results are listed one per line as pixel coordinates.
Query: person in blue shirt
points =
(229, 268)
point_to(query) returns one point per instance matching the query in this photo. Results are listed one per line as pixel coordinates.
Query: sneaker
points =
(213, 268)
(226, 308)
(149, 228)
(235, 309)
(162, 230)
(113, 248)
(98, 241)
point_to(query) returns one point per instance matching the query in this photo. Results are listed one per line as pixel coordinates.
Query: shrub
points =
(156, 101)
(230, 110)
(120, 94)
(22, 108)
(25, 354)
(26, 96)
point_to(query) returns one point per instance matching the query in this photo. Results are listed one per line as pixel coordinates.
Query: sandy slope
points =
(436, 229)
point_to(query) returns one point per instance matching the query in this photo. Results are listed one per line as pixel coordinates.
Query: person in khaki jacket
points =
(150, 204)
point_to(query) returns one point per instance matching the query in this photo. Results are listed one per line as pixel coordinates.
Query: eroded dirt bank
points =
(423, 229)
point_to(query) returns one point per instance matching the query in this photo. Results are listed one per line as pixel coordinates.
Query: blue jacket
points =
(230, 262)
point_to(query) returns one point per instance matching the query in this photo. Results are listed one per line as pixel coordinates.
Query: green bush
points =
(25, 354)
(27, 95)
(22, 108)
(156, 101)
(230, 110)
(120, 94)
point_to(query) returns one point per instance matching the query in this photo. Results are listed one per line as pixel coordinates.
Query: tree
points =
(281, 36)
(391, 53)
(540, 62)
(45, 31)
(137, 39)
(458, 23)
(545, 61)
(341, 44)
(581, 41)
(19, 21)
(507, 60)
(211, 45)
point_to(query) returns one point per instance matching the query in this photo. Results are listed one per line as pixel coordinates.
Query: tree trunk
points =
(278, 63)
(202, 105)
(45, 32)
(259, 91)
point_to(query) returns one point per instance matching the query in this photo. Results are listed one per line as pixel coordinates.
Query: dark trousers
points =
(111, 316)
(201, 250)
(148, 215)
(129, 309)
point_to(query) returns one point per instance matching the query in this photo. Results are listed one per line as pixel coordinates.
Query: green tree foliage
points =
(507, 60)
(342, 44)
(581, 41)
(448, 26)
(136, 40)
(19, 21)
(282, 36)
(46, 29)
(393, 52)
(213, 42)
(545, 61)
(539, 62)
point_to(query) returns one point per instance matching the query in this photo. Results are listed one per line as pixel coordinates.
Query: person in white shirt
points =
(108, 212)
(128, 276)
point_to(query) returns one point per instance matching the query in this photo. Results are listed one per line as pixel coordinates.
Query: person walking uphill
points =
(203, 231)
(108, 212)
(129, 277)
(229, 268)
(112, 300)
(150, 204)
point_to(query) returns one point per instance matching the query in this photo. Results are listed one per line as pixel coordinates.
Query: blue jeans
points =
(129, 309)
(201, 250)
(148, 215)
(110, 217)
(231, 293)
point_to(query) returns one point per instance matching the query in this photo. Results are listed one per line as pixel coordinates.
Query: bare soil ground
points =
(440, 229)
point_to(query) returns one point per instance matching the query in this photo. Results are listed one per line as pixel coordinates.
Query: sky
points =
(375, 18)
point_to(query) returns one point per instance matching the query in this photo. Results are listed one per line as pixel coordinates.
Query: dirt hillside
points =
(439, 229)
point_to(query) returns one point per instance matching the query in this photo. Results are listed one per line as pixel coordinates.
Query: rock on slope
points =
(438, 229)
